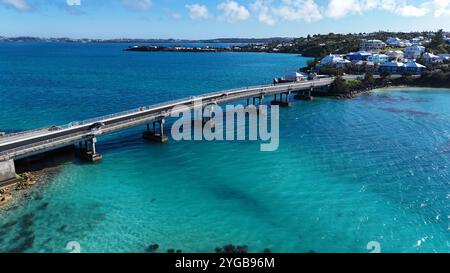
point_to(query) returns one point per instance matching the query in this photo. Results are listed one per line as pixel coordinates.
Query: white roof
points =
(380, 55)
(415, 47)
(430, 55)
(393, 64)
(294, 74)
(413, 64)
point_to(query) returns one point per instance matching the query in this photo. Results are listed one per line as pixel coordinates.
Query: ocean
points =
(348, 172)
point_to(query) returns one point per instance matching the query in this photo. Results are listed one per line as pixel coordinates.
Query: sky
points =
(205, 19)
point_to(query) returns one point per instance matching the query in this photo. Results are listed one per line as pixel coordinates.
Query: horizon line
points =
(220, 38)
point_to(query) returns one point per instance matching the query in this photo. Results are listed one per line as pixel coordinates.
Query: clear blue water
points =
(375, 168)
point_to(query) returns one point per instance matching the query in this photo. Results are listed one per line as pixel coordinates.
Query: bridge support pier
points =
(258, 101)
(305, 95)
(7, 173)
(153, 135)
(280, 102)
(87, 150)
(207, 116)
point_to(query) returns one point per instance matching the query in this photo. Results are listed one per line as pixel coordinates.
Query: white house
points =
(396, 55)
(417, 40)
(413, 67)
(430, 58)
(399, 67)
(294, 76)
(378, 58)
(334, 60)
(371, 45)
(414, 52)
(393, 67)
(444, 57)
(393, 41)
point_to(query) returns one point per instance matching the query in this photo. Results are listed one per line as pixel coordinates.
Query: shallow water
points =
(375, 168)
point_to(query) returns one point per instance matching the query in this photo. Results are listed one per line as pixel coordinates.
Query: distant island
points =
(314, 46)
(129, 40)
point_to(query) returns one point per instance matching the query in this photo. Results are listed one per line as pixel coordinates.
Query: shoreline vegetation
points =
(345, 88)
(313, 46)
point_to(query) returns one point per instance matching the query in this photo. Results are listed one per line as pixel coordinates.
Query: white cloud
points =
(409, 10)
(293, 10)
(233, 11)
(138, 4)
(441, 7)
(198, 12)
(341, 8)
(288, 10)
(17, 4)
(264, 13)
(73, 2)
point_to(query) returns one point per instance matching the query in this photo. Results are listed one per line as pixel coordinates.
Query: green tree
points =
(339, 86)
(438, 40)
(312, 63)
(407, 74)
(368, 78)
(385, 74)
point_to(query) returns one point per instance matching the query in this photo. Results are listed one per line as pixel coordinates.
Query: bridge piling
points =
(153, 135)
(208, 116)
(280, 101)
(88, 151)
(305, 95)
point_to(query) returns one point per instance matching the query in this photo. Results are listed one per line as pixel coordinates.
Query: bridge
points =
(84, 134)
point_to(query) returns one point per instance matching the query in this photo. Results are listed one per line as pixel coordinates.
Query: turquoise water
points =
(375, 168)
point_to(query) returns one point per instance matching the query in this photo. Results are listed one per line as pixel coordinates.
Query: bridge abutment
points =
(155, 136)
(7, 173)
(88, 151)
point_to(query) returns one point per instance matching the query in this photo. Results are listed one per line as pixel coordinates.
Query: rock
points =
(153, 248)
(229, 249)
(242, 249)
(218, 250)
(179, 251)
(267, 250)
(43, 206)
(62, 228)
(5, 199)
(171, 250)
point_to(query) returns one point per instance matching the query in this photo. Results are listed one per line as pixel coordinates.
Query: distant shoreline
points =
(207, 49)
(139, 41)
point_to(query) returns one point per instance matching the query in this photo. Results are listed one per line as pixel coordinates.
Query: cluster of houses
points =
(373, 54)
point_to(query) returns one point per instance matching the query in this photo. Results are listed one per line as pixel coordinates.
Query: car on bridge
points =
(54, 128)
(96, 126)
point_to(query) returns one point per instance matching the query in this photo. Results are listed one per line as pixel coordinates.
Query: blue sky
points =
(197, 19)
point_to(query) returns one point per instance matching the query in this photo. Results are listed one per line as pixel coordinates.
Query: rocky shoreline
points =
(31, 185)
(34, 174)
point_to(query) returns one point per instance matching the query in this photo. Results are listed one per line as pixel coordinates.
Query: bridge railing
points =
(5, 155)
(234, 91)
(140, 109)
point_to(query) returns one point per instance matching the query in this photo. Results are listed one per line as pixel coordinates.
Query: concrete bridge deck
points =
(28, 143)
